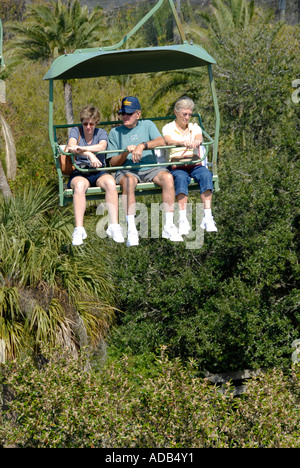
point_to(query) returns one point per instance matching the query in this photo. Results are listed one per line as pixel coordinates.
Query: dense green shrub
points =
(167, 406)
(234, 303)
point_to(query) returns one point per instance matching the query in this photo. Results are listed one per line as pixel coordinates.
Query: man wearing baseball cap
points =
(138, 138)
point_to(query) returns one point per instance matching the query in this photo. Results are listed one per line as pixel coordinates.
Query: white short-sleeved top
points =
(171, 130)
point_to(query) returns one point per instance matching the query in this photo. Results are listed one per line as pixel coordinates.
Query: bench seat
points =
(146, 188)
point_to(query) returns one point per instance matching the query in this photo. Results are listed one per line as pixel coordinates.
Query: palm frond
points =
(224, 18)
(12, 334)
(57, 27)
(50, 325)
(44, 283)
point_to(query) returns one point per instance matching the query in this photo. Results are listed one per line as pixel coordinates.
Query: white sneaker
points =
(115, 232)
(183, 227)
(171, 233)
(78, 236)
(209, 225)
(132, 238)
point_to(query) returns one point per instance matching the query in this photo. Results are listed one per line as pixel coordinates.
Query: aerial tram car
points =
(115, 60)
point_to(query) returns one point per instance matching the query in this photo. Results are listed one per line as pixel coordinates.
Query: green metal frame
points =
(108, 61)
(144, 20)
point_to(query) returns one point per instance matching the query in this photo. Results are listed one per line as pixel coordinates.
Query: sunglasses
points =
(86, 124)
(186, 114)
(127, 113)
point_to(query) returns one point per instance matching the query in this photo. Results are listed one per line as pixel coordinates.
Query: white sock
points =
(182, 215)
(169, 218)
(131, 222)
(207, 213)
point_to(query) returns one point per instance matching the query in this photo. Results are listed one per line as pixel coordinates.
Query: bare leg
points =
(80, 186)
(207, 223)
(165, 180)
(183, 226)
(182, 201)
(129, 183)
(206, 198)
(107, 182)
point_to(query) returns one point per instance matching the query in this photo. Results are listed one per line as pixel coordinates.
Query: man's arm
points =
(119, 159)
(138, 150)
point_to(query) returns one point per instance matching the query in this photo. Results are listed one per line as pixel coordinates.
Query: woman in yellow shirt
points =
(187, 137)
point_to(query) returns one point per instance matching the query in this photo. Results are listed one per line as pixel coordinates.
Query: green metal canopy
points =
(90, 63)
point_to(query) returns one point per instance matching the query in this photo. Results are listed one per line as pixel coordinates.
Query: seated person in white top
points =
(87, 142)
(187, 137)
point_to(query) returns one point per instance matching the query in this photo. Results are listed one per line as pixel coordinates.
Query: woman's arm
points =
(101, 146)
(72, 142)
(196, 141)
(171, 141)
(95, 162)
(189, 141)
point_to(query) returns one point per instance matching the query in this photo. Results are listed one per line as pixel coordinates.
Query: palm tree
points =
(50, 31)
(50, 293)
(221, 19)
(235, 14)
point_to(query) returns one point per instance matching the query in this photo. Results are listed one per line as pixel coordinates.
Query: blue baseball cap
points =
(129, 105)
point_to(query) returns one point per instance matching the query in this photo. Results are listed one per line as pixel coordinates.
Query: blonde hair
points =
(90, 112)
(184, 103)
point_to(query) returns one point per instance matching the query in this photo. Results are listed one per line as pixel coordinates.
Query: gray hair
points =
(184, 103)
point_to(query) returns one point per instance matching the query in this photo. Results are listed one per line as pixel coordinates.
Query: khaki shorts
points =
(142, 176)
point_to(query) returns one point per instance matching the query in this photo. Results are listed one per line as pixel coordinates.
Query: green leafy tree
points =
(50, 31)
(255, 95)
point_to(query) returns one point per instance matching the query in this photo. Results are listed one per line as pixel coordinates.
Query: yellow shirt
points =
(181, 152)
